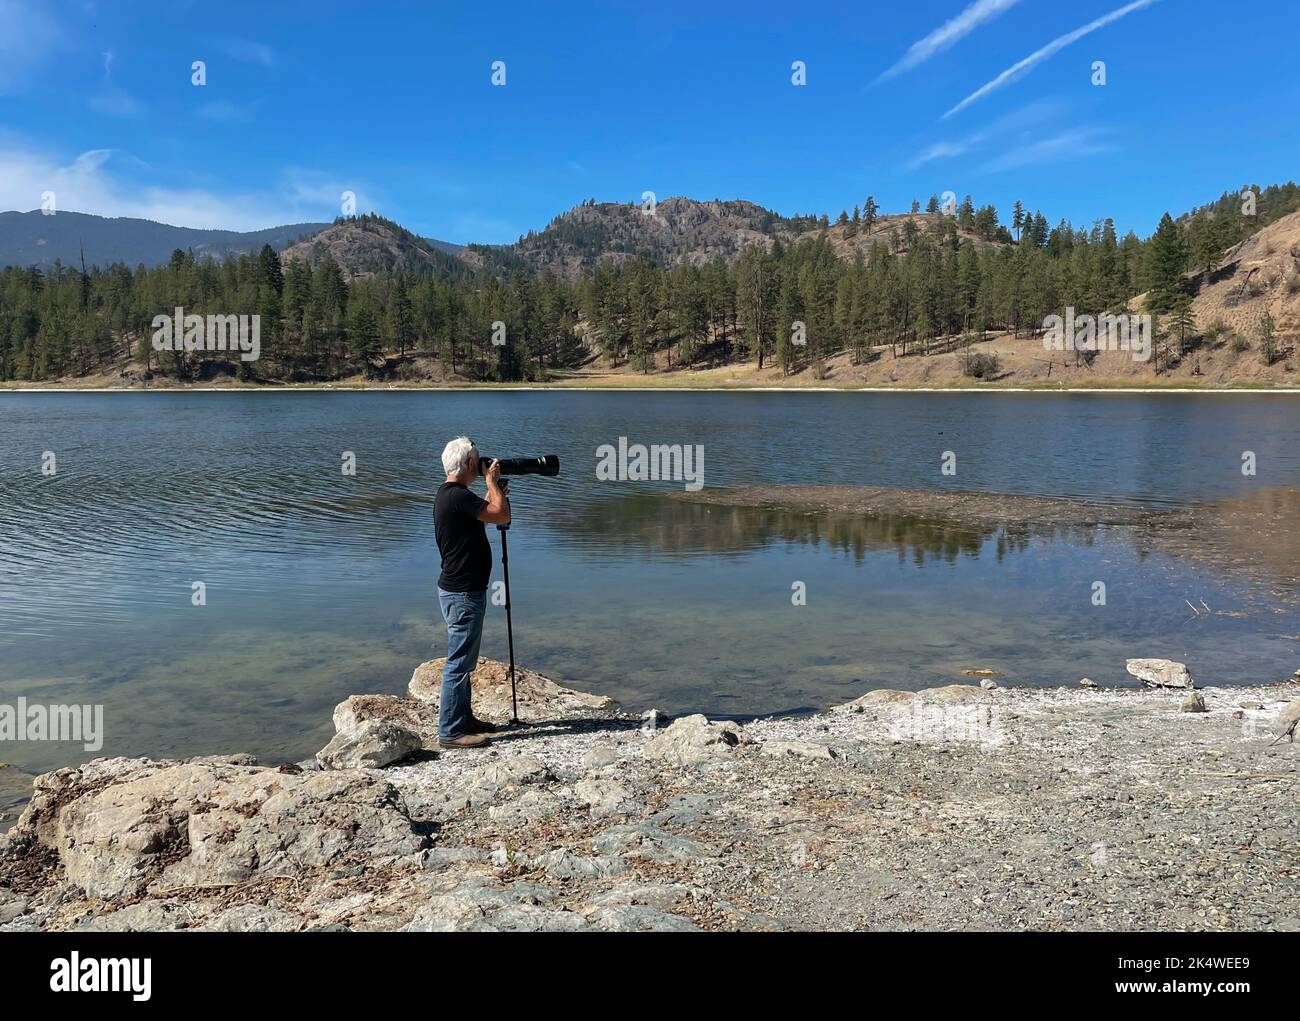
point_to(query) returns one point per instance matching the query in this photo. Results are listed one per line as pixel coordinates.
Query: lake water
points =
(320, 584)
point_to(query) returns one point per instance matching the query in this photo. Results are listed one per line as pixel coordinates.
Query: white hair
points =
(456, 455)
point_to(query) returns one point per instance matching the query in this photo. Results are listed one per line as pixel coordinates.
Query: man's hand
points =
(497, 512)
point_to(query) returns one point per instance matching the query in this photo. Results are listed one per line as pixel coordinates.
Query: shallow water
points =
(320, 585)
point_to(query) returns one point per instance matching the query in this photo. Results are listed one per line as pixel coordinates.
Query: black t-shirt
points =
(462, 539)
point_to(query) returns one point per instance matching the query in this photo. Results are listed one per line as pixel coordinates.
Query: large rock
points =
(1160, 673)
(119, 830)
(539, 697)
(52, 791)
(1287, 720)
(373, 744)
(409, 713)
(693, 739)
(948, 694)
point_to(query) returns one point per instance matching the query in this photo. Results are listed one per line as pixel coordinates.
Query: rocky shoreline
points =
(963, 807)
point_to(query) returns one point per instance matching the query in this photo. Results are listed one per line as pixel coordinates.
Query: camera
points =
(547, 464)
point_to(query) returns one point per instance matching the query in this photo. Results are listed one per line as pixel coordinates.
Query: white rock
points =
(798, 750)
(373, 744)
(692, 740)
(212, 824)
(1160, 673)
(1287, 720)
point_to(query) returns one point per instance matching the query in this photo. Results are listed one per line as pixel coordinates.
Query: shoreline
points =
(616, 388)
(964, 807)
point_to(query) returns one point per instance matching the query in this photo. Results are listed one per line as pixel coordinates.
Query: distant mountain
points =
(34, 239)
(444, 246)
(680, 230)
(365, 245)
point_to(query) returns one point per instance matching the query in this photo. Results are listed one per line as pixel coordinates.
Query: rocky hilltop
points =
(964, 807)
(681, 231)
(365, 245)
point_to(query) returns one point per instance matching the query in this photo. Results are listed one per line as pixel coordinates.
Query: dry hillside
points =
(1261, 274)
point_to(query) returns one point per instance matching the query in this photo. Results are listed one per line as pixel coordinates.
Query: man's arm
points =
(497, 511)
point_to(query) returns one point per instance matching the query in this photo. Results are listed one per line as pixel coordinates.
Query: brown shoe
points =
(466, 741)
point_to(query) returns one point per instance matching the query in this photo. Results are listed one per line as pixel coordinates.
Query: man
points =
(458, 520)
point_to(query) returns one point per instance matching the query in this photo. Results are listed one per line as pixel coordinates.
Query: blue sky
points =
(394, 101)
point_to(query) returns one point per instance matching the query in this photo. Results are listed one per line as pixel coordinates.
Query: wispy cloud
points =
(1073, 144)
(948, 34)
(112, 99)
(944, 151)
(247, 51)
(102, 181)
(1019, 70)
(1014, 126)
(28, 37)
(307, 189)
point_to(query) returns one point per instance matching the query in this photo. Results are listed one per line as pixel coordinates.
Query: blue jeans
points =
(463, 612)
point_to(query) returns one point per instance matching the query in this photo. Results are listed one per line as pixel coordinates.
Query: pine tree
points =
(399, 320)
(869, 211)
(363, 330)
(1182, 321)
(1166, 260)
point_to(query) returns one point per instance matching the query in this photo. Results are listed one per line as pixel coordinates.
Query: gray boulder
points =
(408, 713)
(1287, 720)
(1160, 673)
(373, 744)
(193, 826)
(539, 698)
(693, 740)
(1195, 703)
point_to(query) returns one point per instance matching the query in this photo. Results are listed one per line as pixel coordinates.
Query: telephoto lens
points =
(547, 464)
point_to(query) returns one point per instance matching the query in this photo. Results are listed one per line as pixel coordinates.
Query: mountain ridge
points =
(34, 238)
